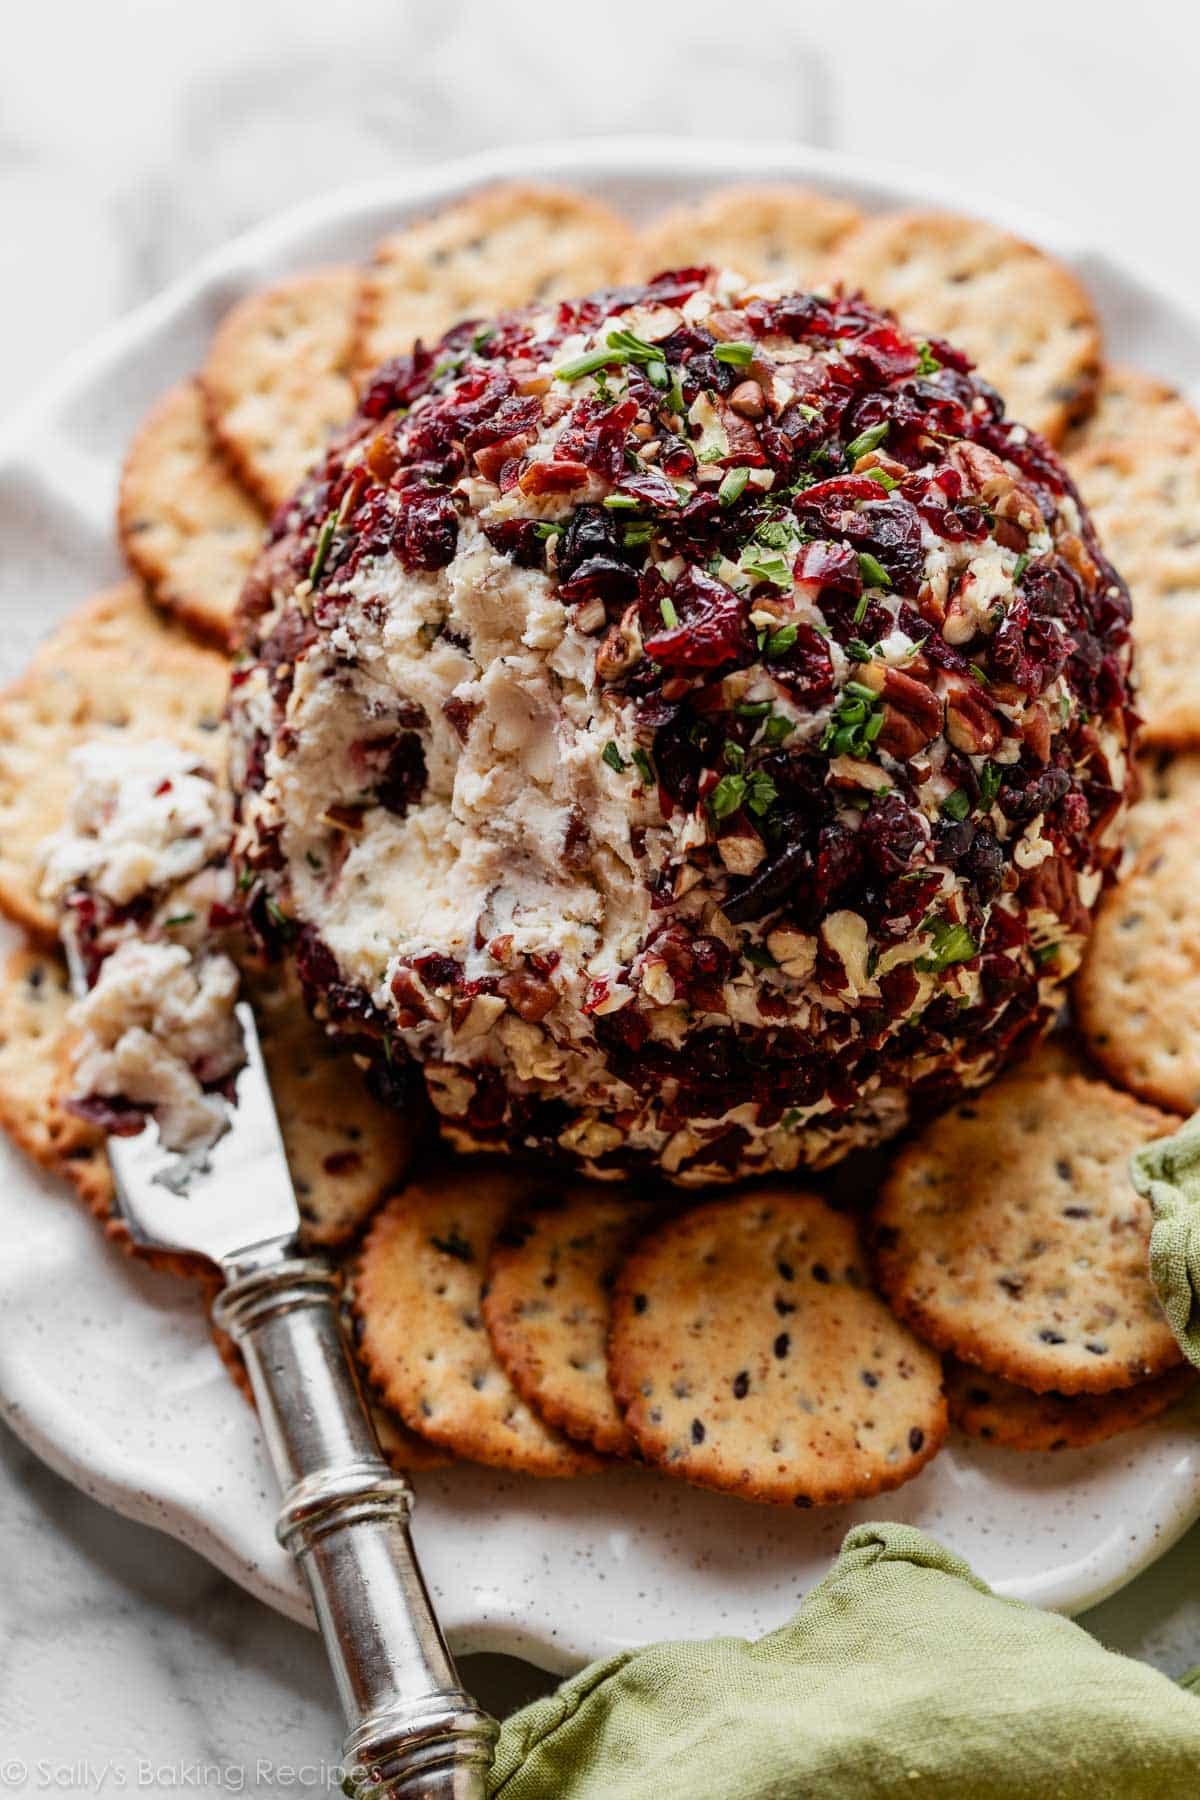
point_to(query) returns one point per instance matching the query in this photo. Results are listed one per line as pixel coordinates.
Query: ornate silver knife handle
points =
(413, 1732)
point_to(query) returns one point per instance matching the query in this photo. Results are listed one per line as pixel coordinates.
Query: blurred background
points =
(135, 136)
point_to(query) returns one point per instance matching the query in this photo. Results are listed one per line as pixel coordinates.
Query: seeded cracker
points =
(1144, 496)
(1010, 1233)
(502, 248)
(547, 1308)
(999, 1412)
(765, 233)
(419, 1290)
(1138, 993)
(1170, 790)
(277, 382)
(750, 1355)
(1021, 315)
(115, 665)
(185, 525)
(1130, 404)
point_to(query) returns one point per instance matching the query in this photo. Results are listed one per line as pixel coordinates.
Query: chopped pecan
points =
(530, 995)
(741, 850)
(622, 647)
(748, 400)
(971, 724)
(912, 712)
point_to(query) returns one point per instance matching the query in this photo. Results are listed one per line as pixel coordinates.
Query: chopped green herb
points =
(670, 617)
(644, 766)
(278, 917)
(632, 535)
(483, 336)
(858, 651)
(951, 944)
(778, 534)
(873, 571)
(636, 350)
(674, 396)
(766, 568)
(183, 918)
(313, 861)
(777, 729)
(929, 364)
(622, 502)
(245, 880)
(780, 642)
(981, 675)
(752, 709)
(449, 365)
(887, 482)
(580, 366)
(761, 793)
(856, 722)
(736, 355)
(321, 553)
(1044, 953)
(807, 413)
(735, 756)
(957, 805)
(612, 756)
(757, 955)
(790, 1118)
(546, 528)
(1020, 566)
(454, 1245)
(727, 796)
(733, 486)
(989, 785)
(870, 439)
(860, 609)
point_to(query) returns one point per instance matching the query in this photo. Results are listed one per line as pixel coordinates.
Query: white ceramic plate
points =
(107, 1372)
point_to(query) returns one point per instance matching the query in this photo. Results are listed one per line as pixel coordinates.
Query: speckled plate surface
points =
(107, 1370)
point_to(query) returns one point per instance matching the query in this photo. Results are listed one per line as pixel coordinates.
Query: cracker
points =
(1023, 317)
(505, 247)
(420, 1286)
(751, 1356)
(34, 1003)
(185, 525)
(1010, 1233)
(277, 379)
(1144, 497)
(547, 1306)
(766, 233)
(115, 665)
(1138, 991)
(345, 1149)
(999, 1412)
(1169, 790)
(1130, 404)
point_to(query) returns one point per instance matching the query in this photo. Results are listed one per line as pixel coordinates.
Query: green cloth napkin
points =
(902, 1674)
(1167, 1172)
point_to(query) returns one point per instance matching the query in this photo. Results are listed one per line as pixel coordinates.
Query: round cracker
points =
(345, 1149)
(1169, 789)
(1138, 991)
(1131, 404)
(35, 1004)
(765, 233)
(419, 1291)
(1143, 493)
(1021, 316)
(547, 1308)
(1010, 1233)
(750, 1355)
(999, 1412)
(505, 247)
(277, 379)
(115, 665)
(185, 525)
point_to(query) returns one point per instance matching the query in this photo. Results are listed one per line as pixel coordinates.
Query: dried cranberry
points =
(713, 628)
(518, 539)
(428, 531)
(890, 835)
(403, 780)
(398, 383)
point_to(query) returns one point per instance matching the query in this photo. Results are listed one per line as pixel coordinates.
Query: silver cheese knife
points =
(412, 1730)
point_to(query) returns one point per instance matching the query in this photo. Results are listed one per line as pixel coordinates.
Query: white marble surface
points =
(137, 134)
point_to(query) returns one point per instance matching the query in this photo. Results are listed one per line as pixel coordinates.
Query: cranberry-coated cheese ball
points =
(691, 725)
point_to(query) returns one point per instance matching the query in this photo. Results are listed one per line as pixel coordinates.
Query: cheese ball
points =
(688, 726)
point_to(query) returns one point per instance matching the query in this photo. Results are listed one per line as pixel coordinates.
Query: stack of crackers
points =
(785, 1345)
